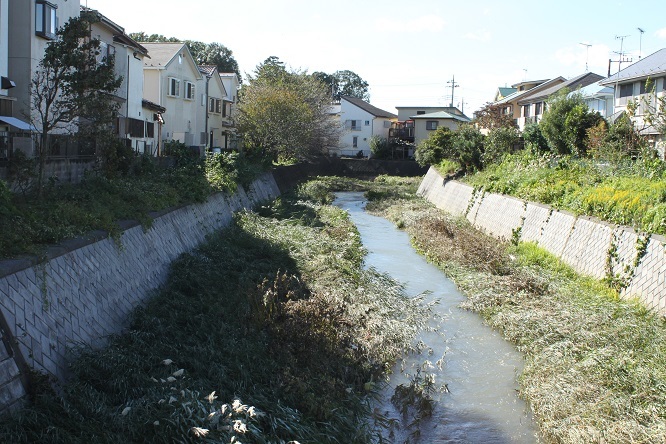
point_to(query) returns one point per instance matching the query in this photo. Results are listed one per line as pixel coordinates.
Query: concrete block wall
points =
(89, 286)
(587, 245)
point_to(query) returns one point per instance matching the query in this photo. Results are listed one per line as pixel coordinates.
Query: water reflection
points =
(479, 367)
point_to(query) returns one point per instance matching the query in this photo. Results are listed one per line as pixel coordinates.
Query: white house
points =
(214, 110)
(361, 122)
(631, 85)
(598, 98)
(135, 125)
(231, 84)
(171, 79)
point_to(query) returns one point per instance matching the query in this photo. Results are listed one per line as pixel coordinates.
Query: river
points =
(480, 368)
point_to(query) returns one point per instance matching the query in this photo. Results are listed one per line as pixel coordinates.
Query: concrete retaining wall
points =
(591, 247)
(87, 287)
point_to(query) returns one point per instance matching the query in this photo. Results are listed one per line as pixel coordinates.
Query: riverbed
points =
(475, 369)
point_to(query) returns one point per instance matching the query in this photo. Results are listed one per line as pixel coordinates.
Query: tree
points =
(203, 53)
(499, 141)
(431, 150)
(284, 115)
(467, 148)
(566, 122)
(493, 116)
(344, 83)
(73, 86)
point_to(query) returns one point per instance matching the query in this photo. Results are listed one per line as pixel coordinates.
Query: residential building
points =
(405, 112)
(361, 122)
(134, 124)
(171, 79)
(533, 103)
(525, 89)
(631, 85)
(215, 110)
(599, 99)
(503, 91)
(231, 84)
(426, 124)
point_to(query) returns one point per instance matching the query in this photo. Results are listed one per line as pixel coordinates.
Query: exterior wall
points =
(231, 84)
(215, 120)
(363, 133)
(4, 44)
(405, 112)
(88, 286)
(421, 133)
(583, 243)
(27, 49)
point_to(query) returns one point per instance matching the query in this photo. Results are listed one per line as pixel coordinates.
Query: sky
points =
(410, 52)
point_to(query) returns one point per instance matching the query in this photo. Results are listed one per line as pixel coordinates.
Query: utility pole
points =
(640, 42)
(587, 54)
(454, 85)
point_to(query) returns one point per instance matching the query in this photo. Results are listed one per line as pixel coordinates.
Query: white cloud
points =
(576, 56)
(480, 36)
(661, 33)
(432, 23)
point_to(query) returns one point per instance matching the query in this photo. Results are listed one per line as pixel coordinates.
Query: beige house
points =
(172, 80)
(524, 90)
(426, 124)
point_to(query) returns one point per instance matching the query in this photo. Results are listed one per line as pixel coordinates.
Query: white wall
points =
(4, 44)
(363, 133)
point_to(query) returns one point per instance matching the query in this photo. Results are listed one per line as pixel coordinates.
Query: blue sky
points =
(408, 50)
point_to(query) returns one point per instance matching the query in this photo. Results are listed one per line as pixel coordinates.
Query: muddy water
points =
(478, 367)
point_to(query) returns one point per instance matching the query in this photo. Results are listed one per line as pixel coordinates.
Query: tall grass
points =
(269, 332)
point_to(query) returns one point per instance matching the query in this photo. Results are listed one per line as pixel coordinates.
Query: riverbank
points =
(269, 332)
(595, 365)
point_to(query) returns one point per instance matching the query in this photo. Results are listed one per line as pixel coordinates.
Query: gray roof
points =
(161, 53)
(579, 81)
(441, 115)
(650, 66)
(365, 106)
(528, 93)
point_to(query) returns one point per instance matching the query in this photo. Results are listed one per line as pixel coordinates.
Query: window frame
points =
(189, 90)
(171, 91)
(624, 88)
(431, 125)
(46, 19)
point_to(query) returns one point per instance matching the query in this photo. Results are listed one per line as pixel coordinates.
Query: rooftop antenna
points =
(640, 42)
(587, 54)
(621, 53)
(525, 76)
(454, 85)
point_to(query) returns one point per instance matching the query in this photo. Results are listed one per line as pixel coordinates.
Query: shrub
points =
(498, 142)
(534, 140)
(467, 148)
(380, 148)
(431, 150)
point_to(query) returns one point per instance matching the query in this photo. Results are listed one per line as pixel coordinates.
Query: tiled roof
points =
(365, 106)
(652, 65)
(207, 70)
(161, 53)
(579, 81)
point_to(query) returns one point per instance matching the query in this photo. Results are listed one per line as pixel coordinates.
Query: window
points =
(354, 125)
(150, 129)
(106, 51)
(174, 87)
(136, 128)
(418, 113)
(214, 105)
(367, 123)
(46, 19)
(641, 89)
(189, 90)
(627, 90)
(355, 142)
(431, 125)
(537, 109)
(387, 124)
(526, 110)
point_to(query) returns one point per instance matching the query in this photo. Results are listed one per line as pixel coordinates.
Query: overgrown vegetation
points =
(270, 332)
(31, 223)
(595, 365)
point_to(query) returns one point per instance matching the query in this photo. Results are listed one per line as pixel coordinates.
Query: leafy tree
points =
(344, 83)
(499, 141)
(204, 53)
(467, 148)
(380, 147)
(492, 116)
(72, 87)
(534, 140)
(566, 122)
(431, 150)
(284, 115)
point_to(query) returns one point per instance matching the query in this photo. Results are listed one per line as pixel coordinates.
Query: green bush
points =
(380, 147)
(498, 142)
(534, 140)
(431, 150)
(467, 148)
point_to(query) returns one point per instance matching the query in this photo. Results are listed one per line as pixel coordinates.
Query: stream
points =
(479, 368)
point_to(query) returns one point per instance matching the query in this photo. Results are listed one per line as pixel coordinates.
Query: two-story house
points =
(631, 85)
(171, 79)
(525, 89)
(135, 125)
(229, 135)
(426, 124)
(361, 122)
(215, 109)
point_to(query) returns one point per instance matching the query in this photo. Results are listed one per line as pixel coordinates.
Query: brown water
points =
(479, 368)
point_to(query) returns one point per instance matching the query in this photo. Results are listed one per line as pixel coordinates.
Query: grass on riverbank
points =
(629, 193)
(595, 365)
(274, 312)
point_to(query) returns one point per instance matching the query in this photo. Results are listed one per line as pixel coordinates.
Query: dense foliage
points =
(270, 332)
(344, 83)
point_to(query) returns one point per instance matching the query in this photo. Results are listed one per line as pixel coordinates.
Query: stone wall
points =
(591, 247)
(87, 287)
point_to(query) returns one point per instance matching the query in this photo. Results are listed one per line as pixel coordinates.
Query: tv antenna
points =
(587, 54)
(640, 42)
(454, 85)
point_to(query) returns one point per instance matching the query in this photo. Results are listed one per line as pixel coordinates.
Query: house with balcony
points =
(231, 84)
(361, 122)
(426, 124)
(404, 129)
(215, 110)
(533, 104)
(642, 83)
(135, 125)
(172, 80)
(509, 104)
(599, 99)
